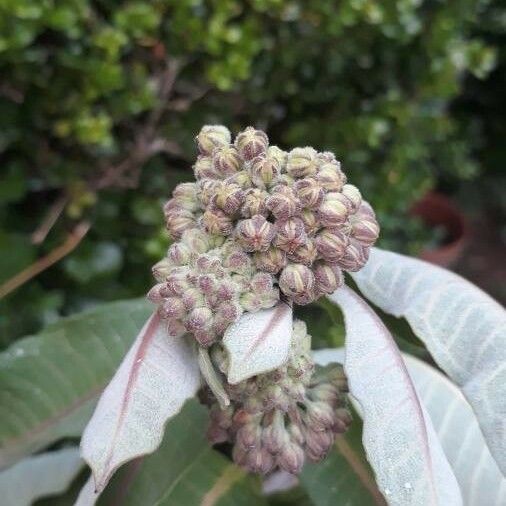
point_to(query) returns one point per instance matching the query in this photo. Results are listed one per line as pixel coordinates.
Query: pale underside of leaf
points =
(151, 385)
(480, 480)
(258, 342)
(398, 436)
(463, 328)
(40, 476)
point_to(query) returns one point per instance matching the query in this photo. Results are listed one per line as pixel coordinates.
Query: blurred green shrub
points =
(99, 103)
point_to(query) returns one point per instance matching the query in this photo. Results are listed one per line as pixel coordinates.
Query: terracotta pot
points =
(437, 210)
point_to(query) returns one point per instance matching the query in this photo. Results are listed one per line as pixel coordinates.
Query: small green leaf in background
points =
(51, 381)
(184, 471)
(345, 476)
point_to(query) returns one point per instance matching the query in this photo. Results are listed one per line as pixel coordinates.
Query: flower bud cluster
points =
(205, 283)
(292, 212)
(278, 419)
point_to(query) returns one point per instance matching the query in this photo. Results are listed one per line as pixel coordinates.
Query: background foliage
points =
(100, 100)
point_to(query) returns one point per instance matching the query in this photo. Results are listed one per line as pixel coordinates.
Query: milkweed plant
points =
(258, 232)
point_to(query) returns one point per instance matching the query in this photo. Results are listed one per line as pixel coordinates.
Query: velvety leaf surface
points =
(40, 476)
(185, 470)
(398, 436)
(480, 480)
(258, 342)
(49, 382)
(463, 328)
(158, 375)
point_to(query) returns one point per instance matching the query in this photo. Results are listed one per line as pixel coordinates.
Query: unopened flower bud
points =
(207, 283)
(290, 235)
(275, 436)
(264, 170)
(296, 281)
(280, 155)
(355, 256)
(311, 223)
(251, 143)
(330, 176)
(216, 221)
(226, 160)
(352, 193)
(205, 338)
(192, 298)
(331, 244)
(162, 269)
(291, 458)
(302, 162)
(179, 220)
(196, 240)
(200, 318)
(175, 328)
(186, 196)
(364, 227)
(305, 254)
(204, 169)
(241, 178)
(177, 280)
(318, 444)
(238, 261)
(333, 210)
(262, 282)
(271, 260)
(179, 253)
(228, 311)
(283, 202)
(158, 293)
(343, 420)
(255, 234)
(295, 433)
(212, 136)
(228, 197)
(309, 192)
(329, 277)
(260, 461)
(254, 203)
(172, 307)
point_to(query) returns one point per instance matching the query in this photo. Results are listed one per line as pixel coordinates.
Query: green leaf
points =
(49, 382)
(184, 471)
(345, 476)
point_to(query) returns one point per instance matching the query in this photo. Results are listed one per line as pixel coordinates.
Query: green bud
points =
(302, 162)
(212, 136)
(226, 161)
(251, 143)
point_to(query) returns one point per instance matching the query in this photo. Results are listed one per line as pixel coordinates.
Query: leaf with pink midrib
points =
(151, 385)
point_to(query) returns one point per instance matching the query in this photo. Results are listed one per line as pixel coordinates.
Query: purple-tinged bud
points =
(259, 461)
(272, 260)
(179, 220)
(333, 210)
(249, 435)
(330, 176)
(309, 192)
(211, 137)
(179, 253)
(241, 178)
(251, 143)
(328, 277)
(228, 311)
(192, 298)
(162, 269)
(207, 283)
(250, 302)
(207, 263)
(200, 318)
(283, 202)
(290, 235)
(262, 283)
(302, 162)
(327, 157)
(226, 290)
(275, 436)
(318, 444)
(296, 281)
(311, 223)
(228, 197)
(295, 433)
(177, 280)
(239, 455)
(226, 160)
(305, 254)
(204, 169)
(197, 240)
(280, 155)
(238, 262)
(343, 420)
(352, 193)
(264, 170)
(325, 392)
(291, 458)
(206, 188)
(255, 234)
(254, 203)
(205, 337)
(355, 256)
(319, 415)
(175, 328)
(158, 293)
(216, 435)
(216, 221)
(364, 227)
(331, 244)
(186, 196)
(172, 307)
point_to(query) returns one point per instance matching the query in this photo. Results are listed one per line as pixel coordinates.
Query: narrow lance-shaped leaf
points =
(398, 436)
(44, 475)
(158, 374)
(258, 342)
(480, 480)
(50, 382)
(463, 328)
